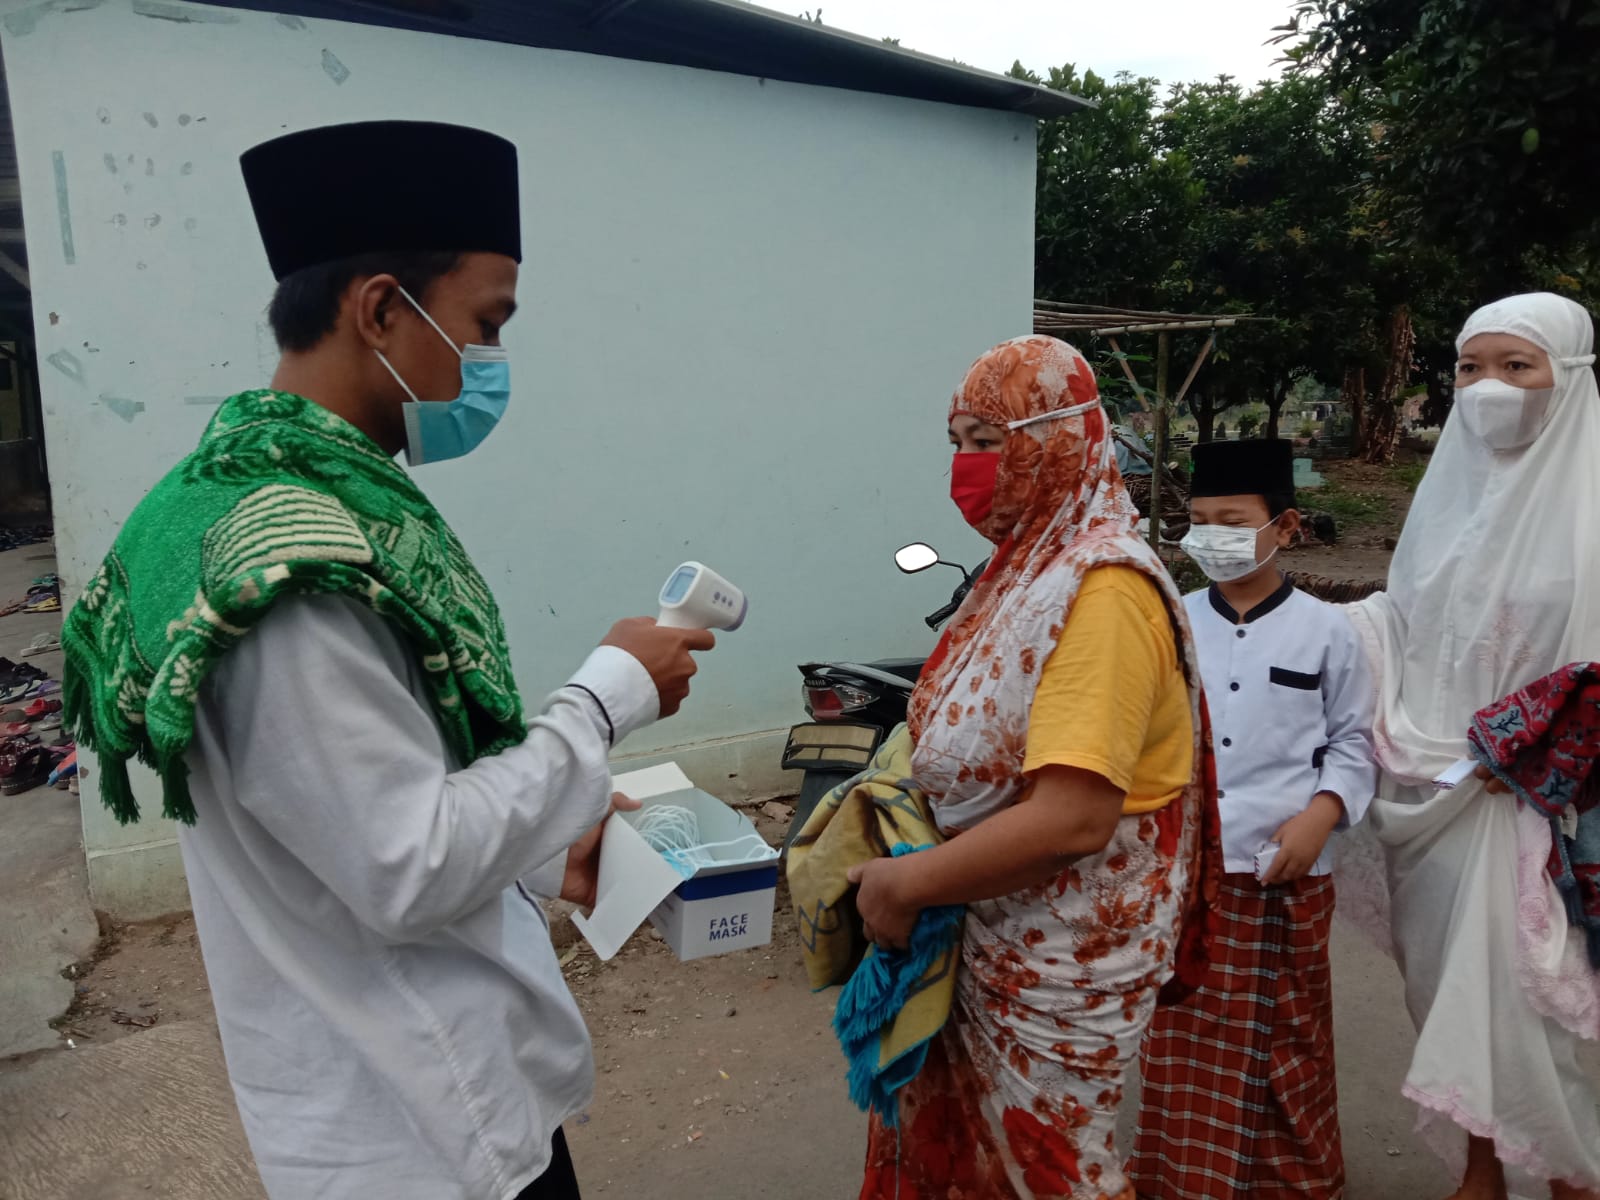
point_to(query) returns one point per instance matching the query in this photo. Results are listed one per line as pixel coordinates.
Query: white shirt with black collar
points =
(1292, 705)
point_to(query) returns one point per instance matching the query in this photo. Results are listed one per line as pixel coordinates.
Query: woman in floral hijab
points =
(1059, 737)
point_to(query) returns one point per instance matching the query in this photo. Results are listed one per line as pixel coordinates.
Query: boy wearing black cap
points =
(1239, 1096)
(290, 634)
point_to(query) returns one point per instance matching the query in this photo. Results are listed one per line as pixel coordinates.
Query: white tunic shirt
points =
(1292, 704)
(393, 1015)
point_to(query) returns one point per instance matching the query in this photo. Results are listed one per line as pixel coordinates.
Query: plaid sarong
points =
(1239, 1093)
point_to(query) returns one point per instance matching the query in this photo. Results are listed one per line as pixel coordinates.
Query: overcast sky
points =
(1174, 40)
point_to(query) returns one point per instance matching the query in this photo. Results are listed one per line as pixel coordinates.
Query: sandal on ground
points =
(15, 678)
(23, 694)
(65, 768)
(11, 749)
(32, 769)
(41, 708)
(43, 644)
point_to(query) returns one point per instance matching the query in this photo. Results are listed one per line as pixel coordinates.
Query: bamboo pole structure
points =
(1163, 370)
(1114, 322)
(1165, 327)
(1122, 361)
(1199, 361)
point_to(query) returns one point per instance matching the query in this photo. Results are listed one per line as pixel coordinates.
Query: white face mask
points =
(1503, 416)
(1225, 552)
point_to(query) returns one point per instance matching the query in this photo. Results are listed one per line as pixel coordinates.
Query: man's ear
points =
(372, 304)
(1288, 525)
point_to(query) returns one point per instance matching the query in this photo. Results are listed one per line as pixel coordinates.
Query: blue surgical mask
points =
(441, 429)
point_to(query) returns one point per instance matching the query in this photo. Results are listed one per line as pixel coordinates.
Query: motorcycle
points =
(854, 706)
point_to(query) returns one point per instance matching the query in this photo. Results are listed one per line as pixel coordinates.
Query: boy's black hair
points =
(1279, 503)
(305, 307)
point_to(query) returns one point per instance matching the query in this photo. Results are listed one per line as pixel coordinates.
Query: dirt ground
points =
(1370, 505)
(693, 1060)
(702, 1060)
(721, 1077)
(143, 975)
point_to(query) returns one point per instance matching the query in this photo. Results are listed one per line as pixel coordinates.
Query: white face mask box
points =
(724, 905)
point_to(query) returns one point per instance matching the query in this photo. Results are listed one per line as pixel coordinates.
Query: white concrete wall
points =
(745, 305)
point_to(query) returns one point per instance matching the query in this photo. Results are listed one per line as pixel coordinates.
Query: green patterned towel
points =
(281, 498)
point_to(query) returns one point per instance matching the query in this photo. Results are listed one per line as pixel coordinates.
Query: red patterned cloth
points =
(1200, 926)
(1239, 1093)
(1020, 1095)
(1058, 982)
(1542, 743)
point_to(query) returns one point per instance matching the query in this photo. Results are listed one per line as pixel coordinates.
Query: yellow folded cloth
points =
(894, 1002)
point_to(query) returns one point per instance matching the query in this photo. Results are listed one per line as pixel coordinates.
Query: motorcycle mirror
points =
(918, 556)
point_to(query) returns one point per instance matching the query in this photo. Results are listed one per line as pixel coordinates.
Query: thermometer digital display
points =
(696, 597)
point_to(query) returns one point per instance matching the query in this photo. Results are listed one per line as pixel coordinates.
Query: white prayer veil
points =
(1496, 580)
(1495, 583)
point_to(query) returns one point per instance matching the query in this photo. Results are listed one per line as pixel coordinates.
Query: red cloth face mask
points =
(972, 482)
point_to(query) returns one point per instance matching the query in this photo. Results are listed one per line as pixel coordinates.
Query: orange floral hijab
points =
(1060, 509)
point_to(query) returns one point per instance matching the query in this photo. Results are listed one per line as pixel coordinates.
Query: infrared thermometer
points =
(696, 597)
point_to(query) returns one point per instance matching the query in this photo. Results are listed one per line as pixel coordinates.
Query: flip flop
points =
(32, 770)
(23, 691)
(41, 708)
(14, 673)
(27, 694)
(66, 768)
(43, 644)
(45, 604)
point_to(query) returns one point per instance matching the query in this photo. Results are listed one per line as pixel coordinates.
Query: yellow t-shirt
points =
(1112, 698)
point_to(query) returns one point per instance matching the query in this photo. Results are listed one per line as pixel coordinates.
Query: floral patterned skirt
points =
(1020, 1093)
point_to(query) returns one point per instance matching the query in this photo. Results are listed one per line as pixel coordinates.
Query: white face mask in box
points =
(1225, 552)
(674, 833)
(1502, 416)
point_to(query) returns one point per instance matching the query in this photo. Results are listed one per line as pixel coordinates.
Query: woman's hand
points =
(1066, 815)
(884, 901)
(1495, 786)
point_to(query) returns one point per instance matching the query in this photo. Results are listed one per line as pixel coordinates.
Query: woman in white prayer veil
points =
(1495, 583)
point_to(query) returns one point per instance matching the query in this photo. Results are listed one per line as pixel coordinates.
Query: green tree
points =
(1112, 204)
(1280, 232)
(1489, 115)
(1268, 202)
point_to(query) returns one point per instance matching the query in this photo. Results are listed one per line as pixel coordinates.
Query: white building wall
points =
(745, 306)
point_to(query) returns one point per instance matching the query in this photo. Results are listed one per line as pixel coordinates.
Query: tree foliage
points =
(1280, 233)
(1106, 161)
(1423, 156)
(1489, 115)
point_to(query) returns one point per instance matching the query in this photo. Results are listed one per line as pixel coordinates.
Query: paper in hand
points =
(1455, 775)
